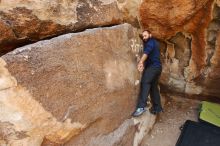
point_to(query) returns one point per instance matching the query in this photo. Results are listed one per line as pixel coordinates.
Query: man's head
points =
(146, 34)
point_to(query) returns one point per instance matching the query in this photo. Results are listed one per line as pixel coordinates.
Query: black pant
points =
(149, 84)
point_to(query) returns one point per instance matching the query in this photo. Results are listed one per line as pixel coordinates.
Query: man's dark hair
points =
(147, 30)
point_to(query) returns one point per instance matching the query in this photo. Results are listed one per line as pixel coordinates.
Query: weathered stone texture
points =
(88, 77)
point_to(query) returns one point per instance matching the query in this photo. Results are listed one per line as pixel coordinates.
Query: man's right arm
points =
(147, 49)
(141, 62)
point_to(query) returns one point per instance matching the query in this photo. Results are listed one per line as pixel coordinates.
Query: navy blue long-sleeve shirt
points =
(152, 49)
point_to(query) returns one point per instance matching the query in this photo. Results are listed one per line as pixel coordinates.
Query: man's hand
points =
(140, 66)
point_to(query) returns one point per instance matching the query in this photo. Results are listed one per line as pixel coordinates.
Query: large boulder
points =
(89, 77)
(23, 22)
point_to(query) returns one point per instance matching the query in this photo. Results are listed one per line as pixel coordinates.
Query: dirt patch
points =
(166, 130)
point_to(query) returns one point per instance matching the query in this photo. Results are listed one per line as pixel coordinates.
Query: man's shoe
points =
(138, 112)
(155, 112)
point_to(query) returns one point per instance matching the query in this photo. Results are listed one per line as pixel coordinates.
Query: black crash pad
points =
(199, 134)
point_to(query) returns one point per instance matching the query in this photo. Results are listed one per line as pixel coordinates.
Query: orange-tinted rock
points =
(165, 18)
(189, 28)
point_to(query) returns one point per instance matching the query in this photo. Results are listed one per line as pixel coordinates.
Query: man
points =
(151, 67)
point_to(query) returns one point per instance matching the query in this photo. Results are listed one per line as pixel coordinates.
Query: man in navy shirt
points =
(151, 67)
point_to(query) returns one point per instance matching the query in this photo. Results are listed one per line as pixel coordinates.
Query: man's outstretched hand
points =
(140, 66)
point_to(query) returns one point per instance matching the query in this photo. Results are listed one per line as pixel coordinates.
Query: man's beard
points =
(145, 39)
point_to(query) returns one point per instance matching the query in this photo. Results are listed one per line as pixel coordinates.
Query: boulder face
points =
(26, 21)
(88, 77)
(71, 67)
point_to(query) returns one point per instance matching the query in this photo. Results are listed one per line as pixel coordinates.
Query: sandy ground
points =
(166, 130)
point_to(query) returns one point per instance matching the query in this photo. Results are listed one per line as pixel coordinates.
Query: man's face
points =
(145, 35)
